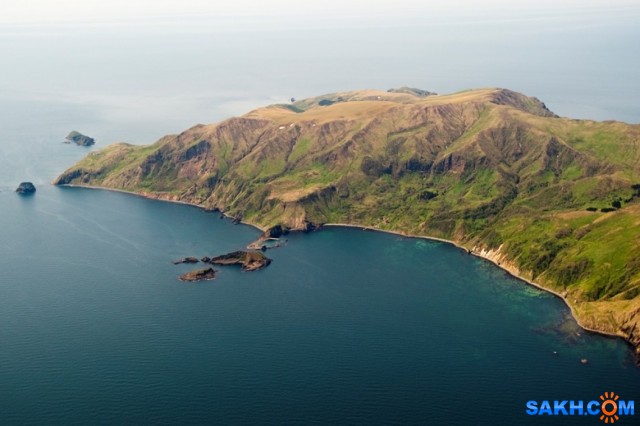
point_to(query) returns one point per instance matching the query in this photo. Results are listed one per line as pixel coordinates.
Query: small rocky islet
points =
(248, 260)
(198, 275)
(26, 188)
(79, 139)
(186, 260)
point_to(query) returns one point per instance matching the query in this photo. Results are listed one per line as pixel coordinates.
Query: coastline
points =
(509, 271)
(495, 263)
(157, 198)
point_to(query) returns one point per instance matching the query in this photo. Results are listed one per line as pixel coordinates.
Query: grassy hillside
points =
(554, 200)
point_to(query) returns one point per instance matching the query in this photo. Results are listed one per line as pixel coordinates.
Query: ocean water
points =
(346, 326)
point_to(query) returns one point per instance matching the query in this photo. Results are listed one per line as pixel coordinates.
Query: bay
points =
(345, 326)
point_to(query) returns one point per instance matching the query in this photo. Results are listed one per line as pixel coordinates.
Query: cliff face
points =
(487, 168)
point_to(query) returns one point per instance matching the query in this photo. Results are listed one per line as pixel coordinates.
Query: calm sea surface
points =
(345, 326)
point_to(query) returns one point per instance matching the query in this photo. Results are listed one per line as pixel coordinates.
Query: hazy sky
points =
(59, 11)
(142, 68)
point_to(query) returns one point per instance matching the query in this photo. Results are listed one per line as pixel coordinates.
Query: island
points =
(198, 275)
(79, 139)
(554, 201)
(248, 260)
(26, 188)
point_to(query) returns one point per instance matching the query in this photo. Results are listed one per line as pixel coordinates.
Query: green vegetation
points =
(293, 108)
(557, 200)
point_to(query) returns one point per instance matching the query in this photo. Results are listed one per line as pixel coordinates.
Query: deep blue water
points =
(345, 326)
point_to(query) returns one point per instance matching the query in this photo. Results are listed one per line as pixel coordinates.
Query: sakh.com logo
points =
(610, 408)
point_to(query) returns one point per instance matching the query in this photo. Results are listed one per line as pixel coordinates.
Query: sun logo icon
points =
(609, 407)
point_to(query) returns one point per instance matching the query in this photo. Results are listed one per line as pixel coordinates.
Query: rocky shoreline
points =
(269, 238)
(161, 197)
(494, 258)
(633, 338)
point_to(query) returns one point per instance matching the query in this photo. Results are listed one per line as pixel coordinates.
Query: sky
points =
(142, 68)
(14, 12)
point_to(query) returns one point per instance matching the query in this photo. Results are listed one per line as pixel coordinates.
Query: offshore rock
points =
(185, 260)
(198, 275)
(79, 139)
(26, 188)
(249, 260)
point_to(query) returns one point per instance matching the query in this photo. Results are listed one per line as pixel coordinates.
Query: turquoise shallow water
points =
(346, 326)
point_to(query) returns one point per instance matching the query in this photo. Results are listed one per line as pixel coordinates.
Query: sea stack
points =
(26, 188)
(79, 139)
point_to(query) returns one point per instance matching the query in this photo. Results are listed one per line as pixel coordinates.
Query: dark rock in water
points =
(80, 139)
(236, 220)
(26, 188)
(275, 232)
(250, 260)
(185, 260)
(198, 275)
(308, 226)
(205, 259)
